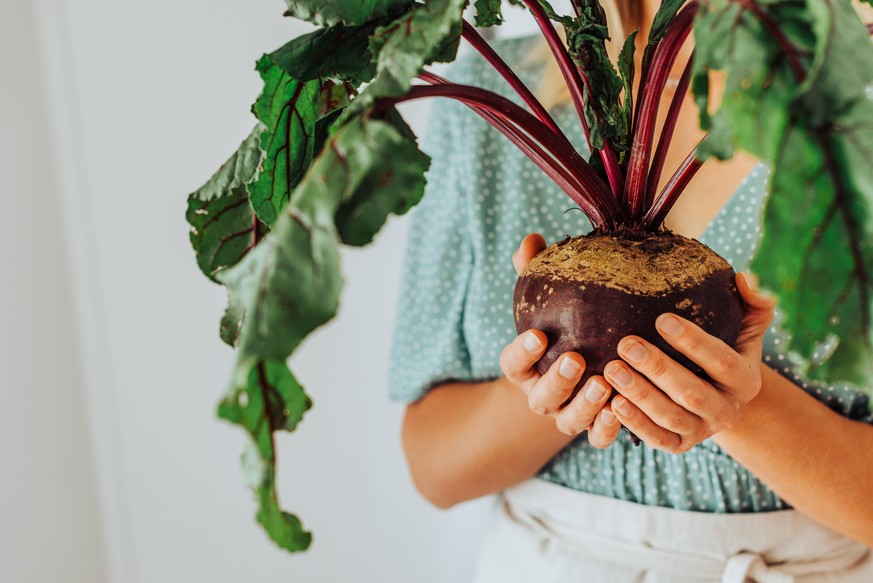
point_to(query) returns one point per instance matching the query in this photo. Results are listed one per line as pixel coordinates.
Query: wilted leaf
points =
(264, 398)
(223, 226)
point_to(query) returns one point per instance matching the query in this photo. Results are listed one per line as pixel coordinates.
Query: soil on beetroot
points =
(587, 293)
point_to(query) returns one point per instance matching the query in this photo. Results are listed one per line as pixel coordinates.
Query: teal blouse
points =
(455, 310)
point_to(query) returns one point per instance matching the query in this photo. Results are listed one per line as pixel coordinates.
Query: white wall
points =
(49, 530)
(148, 98)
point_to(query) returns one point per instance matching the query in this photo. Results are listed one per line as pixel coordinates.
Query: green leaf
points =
(288, 109)
(340, 52)
(426, 34)
(760, 82)
(231, 322)
(223, 226)
(290, 283)
(394, 190)
(264, 398)
(817, 250)
(626, 67)
(488, 13)
(798, 98)
(348, 12)
(239, 169)
(663, 17)
(607, 118)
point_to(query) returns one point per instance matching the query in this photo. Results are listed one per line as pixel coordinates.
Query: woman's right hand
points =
(546, 394)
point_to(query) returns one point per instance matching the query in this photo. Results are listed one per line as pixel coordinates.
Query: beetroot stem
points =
(483, 48)
(557, 172)
(671, 192)
(644, 126)
(593, 195)
(666, 137)
(575, 80)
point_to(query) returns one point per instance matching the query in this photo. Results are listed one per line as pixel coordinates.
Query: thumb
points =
(758, 314)
(530, 247)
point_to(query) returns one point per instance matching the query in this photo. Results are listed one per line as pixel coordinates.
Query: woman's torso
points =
(505, 197)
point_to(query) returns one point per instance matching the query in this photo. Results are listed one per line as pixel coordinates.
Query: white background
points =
(114, 466)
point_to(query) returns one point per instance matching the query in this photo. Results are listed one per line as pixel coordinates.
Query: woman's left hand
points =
(669, 407)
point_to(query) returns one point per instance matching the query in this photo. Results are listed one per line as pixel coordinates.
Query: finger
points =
(721, 362)
(757, 316)
(556, 386)
(530, 246)
(519, 356)
(650, 400)
(678, 383)
(605, 429)
(647, 430)
(579, 414)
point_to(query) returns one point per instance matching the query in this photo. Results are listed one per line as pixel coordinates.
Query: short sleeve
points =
(428, 345)
(841, 398)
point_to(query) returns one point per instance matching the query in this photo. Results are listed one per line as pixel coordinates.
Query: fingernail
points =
(594, 392)
(669, 325)
(619, 374)
(607, 417)
(751, 280)
(621, 405)
(633, 350)
(569, 368)
(531, 342)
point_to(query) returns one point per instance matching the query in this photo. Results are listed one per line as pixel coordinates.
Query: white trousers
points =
(542, 533)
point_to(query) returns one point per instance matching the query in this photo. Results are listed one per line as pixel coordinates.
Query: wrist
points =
(753, 413)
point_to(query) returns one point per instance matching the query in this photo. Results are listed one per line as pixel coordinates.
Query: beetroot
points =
(587, 293)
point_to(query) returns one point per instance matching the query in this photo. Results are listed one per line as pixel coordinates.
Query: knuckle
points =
(597, 440)
(661, 440)
(683, 446)
(507, 361)
(657, 367)
(692, 343)
(677, 422)
(725, 361)
(566, 426)
(535, 404)
(694, 399)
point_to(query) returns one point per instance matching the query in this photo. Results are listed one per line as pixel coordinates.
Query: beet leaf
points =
(795, 95)
(344, 12)
(289, 109)
(331, 158)
(223, 225)
(265, 397)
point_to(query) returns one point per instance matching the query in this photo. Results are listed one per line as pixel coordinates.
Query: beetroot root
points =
(587, 293)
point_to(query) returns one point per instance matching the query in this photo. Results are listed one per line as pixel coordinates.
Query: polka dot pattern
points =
(455, 307)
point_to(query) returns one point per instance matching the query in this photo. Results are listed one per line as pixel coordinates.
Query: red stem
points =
(575, 81)
(644, 127)
(483, 48)
(557, 172)
(593, 193)
(671, 192)
(657, 166)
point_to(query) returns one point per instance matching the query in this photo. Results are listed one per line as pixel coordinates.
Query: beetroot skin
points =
(589, 292)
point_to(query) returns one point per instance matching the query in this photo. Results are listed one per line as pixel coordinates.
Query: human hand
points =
(548, 393)
(669, 407)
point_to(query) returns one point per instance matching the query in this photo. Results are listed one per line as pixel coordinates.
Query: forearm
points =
(464, 441)
(816, 460)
